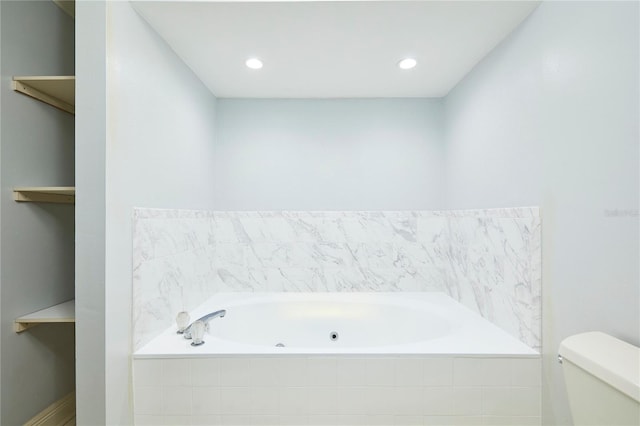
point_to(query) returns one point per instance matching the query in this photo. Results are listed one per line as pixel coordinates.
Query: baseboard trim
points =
(60, 413)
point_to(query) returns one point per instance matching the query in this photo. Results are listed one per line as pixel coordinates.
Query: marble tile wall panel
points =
(489, 260)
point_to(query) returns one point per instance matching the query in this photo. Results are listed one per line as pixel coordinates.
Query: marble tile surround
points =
(488, 260)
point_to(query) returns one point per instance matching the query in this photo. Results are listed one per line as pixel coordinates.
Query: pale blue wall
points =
(338, 154)
(550, 118)
(91, 132)
(146, 129)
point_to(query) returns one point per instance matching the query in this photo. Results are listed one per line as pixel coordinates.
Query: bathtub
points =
(338, 359)
(339, 323)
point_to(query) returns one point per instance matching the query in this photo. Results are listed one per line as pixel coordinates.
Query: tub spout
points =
(205, 319)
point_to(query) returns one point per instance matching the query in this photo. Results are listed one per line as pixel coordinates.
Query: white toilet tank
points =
(602, 375)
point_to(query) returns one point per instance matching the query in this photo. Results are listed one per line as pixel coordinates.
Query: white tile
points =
(234, 372)
(511, 421)
(526, 372)
(378, 401)
(351, 420)
(379, 420)
(147, 420)
(525, 402)
(437, 371)
(234, 401)
(264, 372)
(467, 401)
(407, 401)
(438, 401)
(148, 400)
(205, 372)
(496, 372)
(351, 372)
(322, 401)
(408, 371)
(294, 420)
(264, 401)
(176, 420)
(236, 420)
(467, 420)
(437, 420)
(323, 420)
(322, 371)
(147, 372)
(209, 420)
(293, 401)
(528, 421)
(350, 401)
(264, 420)
(407, 420)
(205, 401)
(293, 372)
(467, 371)
(380, 372)
(176, 372)
(496, 401)
(176, 401)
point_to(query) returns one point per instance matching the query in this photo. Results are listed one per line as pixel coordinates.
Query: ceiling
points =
(333, 49)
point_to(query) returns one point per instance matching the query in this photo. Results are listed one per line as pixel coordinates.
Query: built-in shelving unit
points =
(64, 312)
(45, 194)
(57, 91)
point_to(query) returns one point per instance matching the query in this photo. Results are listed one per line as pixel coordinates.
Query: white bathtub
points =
(400, 358)
(365, 323)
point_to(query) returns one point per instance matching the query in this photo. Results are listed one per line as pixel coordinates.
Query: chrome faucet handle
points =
(197, 333)
(205, 320)
(182, 321)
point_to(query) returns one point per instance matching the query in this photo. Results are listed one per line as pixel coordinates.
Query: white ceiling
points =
(333, 49)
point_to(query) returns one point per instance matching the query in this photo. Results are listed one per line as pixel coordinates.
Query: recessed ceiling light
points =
(254, 63)
(407, 63)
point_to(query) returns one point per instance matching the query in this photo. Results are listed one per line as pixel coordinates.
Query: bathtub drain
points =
(333, 335)
(279, 345)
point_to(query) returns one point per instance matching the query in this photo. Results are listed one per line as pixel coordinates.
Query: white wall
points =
(91, 134)
(36, 268)
(159, 144)
(549, 118)
(340, 154)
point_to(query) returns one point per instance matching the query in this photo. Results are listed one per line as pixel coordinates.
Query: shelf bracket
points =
(68, 6)
(35, 196)
(19, 327)
(21, 86)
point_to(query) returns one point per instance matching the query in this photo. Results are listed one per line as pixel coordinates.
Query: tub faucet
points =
(205, 319)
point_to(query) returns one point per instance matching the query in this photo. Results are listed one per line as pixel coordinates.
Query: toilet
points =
(602, 376)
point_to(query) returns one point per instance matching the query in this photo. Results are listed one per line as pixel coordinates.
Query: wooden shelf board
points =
(68, 6)
(57, 91)
(64, 312)
(45, 194)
